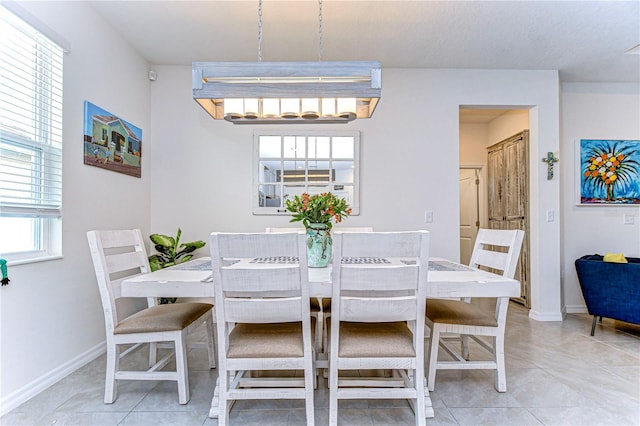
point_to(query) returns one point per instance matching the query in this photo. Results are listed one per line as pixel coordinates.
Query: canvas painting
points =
(609, 172)
(110, 142)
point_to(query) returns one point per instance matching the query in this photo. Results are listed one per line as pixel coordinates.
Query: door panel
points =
(469, 212)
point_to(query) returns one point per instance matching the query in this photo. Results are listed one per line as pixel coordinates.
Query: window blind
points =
(30, 121)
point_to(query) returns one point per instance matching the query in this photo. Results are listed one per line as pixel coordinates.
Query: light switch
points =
(550, 215)
(428, 216)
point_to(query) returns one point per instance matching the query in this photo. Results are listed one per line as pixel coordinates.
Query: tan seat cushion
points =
(280, 340)
(169, 317)
(458, 312)
(385, 339)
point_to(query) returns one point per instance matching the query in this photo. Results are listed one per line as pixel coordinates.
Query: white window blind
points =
(30, 129)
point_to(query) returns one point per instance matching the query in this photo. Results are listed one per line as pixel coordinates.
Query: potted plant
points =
(171, 252)
(317, 213)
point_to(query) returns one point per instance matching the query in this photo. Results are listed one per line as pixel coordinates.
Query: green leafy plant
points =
(171, 251)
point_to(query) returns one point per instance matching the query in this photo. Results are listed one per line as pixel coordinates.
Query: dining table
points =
(445, 279)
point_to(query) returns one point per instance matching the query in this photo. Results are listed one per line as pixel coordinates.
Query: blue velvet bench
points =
(610, 290)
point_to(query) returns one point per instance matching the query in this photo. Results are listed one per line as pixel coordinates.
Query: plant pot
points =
(319, 244)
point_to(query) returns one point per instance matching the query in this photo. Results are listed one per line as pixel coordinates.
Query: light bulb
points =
(233, 108)
(290, 107)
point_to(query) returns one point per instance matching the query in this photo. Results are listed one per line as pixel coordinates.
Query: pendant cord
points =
(259, 30)
(319, 30)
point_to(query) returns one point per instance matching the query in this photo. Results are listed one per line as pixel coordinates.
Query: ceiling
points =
(585, 40)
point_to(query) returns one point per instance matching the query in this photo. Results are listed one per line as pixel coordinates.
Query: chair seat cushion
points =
(169, 317)
(459, 312)
(386, 339)
(281, 340)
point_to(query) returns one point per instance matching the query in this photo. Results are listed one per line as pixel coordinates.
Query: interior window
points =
(291, 163)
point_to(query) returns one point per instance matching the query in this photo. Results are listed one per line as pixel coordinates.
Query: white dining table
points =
(446, 279)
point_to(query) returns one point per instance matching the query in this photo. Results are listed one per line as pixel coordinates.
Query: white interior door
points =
(469, 211)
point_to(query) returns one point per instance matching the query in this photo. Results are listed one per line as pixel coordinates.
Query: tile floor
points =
(557, 374)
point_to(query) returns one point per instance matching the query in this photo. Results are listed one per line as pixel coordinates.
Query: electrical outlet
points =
(628, 219)
(428, 216)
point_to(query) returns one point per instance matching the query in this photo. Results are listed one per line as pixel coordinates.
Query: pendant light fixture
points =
(287, 92)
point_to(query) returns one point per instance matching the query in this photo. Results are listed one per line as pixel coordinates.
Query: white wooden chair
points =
(263, 320)
(117, 255)
(497, 250)
(321, 308)
(377, 320)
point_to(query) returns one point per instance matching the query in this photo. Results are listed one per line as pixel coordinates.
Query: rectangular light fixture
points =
(287, 92)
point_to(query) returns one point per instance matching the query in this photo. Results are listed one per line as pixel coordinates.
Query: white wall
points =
(51, 314)
(594, 111)
(507, 125)
(202, 168)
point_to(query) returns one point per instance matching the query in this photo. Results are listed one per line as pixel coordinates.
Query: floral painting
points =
(609, 172)
(110, 142)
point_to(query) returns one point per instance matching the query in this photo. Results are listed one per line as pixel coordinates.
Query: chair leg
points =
(501, 374)
(464, 348)
(309, 386)
(420, 410)
(153, 353)
(113, 365)
(225, 406)
(319, 333)
(181, 369)
(211, 338)
(432, 358)
(593, 324)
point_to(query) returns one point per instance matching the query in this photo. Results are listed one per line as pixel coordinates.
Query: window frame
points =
(39, 185)
(281, 210)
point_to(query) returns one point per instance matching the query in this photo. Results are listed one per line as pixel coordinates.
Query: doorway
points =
(479, 128)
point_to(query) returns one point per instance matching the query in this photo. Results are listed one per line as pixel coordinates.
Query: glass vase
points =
(319, 244)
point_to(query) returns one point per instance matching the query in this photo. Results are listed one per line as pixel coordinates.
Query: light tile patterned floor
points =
(557, 374)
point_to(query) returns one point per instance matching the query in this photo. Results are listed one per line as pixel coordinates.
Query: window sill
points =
(16, 262)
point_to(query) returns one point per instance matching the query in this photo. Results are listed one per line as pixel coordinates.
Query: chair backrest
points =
(367, 290)
(334, 229)
(497, 249)
(255, 290)
(116, 255)
(272, 230)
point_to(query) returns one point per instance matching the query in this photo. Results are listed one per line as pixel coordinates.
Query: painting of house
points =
(110, 142)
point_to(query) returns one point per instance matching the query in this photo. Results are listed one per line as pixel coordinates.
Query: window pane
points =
(19, 234)
(294, 147)
(269, 196)
(269, 171)
(270, 146)
(343, 147)
(291, 191)
(343, 171)
(319, 147)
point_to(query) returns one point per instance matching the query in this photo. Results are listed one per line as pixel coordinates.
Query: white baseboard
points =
(576, 309)
(545, 316)
(28, 391)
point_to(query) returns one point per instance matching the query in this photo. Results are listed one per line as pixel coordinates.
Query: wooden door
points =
(508, 185)
(469, 211)
(495, 184)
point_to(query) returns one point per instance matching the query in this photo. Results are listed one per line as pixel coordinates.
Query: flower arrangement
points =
(319, 208)
(608, 166)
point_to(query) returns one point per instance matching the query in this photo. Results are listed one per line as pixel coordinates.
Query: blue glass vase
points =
(319, 244)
